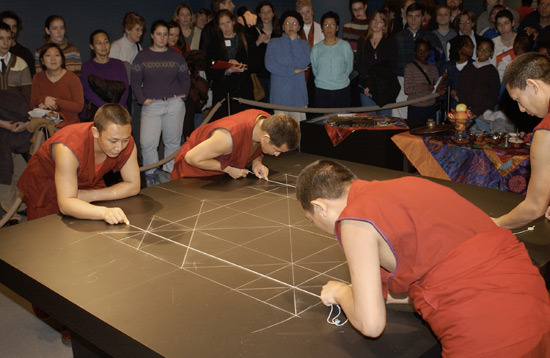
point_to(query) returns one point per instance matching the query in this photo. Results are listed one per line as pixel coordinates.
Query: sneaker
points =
(151, 180)
(162, 176)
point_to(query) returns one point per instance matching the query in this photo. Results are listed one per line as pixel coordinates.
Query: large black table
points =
(211, 267)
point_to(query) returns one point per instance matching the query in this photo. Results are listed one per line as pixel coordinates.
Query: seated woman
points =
(377, 59)
(287, 58)
(107, 71)
(55, 32)
(332, 63)
(56, 88)
(231, 46)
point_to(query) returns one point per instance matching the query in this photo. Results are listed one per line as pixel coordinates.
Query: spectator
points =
(359, 24)
(261, 34)
(311, 31)
(108, 75)
(455, 6)
(183, 15)
(200, 20)
(377, 63)
(14, 22)
(55, 88)
(525, 9)
(331, 63)
(429, 21)
(160, 82)
(466, 22)
(287, 58)
(491, 31)
(176, 41)
(504, 52)
(55, 32)
(420, 79)
(15, 73)
(395, 13)
(484, 20)
(538, 21)
(444, 31)
(405, 43)
(461, 56)
(127, 47)
(479, 85)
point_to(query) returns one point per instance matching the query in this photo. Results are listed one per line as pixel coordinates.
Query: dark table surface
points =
(211, 267)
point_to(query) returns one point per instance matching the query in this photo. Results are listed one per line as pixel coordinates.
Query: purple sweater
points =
(112, 70)
(157, 75)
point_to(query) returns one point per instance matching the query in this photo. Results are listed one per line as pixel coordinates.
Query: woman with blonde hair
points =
(183, 15)
(377, 58)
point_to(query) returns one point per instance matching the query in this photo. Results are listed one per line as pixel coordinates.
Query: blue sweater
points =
(332, 65)
(281, 58)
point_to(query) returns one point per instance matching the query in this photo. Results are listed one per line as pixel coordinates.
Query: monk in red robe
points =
(66, 173)
(527, 80)
(473, 282)
(229, 144)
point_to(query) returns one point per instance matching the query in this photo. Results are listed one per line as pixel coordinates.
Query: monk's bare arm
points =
(66, 185)
(203, 155)
(129, 186)
(363, 301)
(538, 192)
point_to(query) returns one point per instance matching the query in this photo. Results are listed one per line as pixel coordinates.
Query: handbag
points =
(259, 92)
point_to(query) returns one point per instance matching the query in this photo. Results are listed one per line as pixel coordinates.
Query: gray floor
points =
(22, 334)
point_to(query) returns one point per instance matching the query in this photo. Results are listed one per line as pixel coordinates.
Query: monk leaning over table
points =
(66, 173)
(527, 80)
(472, 282)
(230, 143)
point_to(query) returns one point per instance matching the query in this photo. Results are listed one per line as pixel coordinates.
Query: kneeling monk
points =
(472, 282)
(229, 144)
(66, 173)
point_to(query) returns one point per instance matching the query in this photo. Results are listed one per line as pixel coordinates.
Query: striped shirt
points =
(73, 61)
(416, 85)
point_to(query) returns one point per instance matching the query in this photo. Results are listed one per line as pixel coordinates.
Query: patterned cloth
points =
(338, 133)
(493, 167)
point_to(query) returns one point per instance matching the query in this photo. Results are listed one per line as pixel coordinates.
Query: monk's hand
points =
(115, 216)
(260, 170)
(235, 173)
(331, 291)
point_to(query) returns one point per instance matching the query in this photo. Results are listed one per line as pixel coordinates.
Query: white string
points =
(273, 181)
(335, 321)
(530, 228)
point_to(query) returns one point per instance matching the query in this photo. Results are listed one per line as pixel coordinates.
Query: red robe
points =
(38, 179)
(240, 126)
(473, 282)
(544, 124)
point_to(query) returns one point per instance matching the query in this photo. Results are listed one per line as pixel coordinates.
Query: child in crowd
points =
(459, 59)
(479, 84)
(419, 81)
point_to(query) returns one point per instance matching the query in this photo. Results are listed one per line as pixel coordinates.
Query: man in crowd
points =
(14, 22)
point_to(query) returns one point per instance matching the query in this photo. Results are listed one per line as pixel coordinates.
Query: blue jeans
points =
(164, 117)
(368, 101)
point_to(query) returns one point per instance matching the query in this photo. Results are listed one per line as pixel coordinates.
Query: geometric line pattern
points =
(258, 244)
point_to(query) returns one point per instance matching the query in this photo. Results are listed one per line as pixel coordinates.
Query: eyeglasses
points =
(291, 24)
(101, 43)
(468, 22)
(329, 25)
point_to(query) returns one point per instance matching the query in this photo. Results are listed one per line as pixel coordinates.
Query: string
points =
(335, 321)
(273, 181)
(530, 228)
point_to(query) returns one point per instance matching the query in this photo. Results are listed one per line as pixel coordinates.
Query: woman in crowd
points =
(55, 88)
(176, 41)
(108, 77)
(201, 18)
(332, 63)
(465, 22)
(377, 56)
(184, 17)
(160, 81)
(459, 58)
(55, 32)
(232, 47)
(266, 28)
(287, 58)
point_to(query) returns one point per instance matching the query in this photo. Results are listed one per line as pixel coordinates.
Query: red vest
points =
(38, 179)
(472, 282)
(240, 126)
